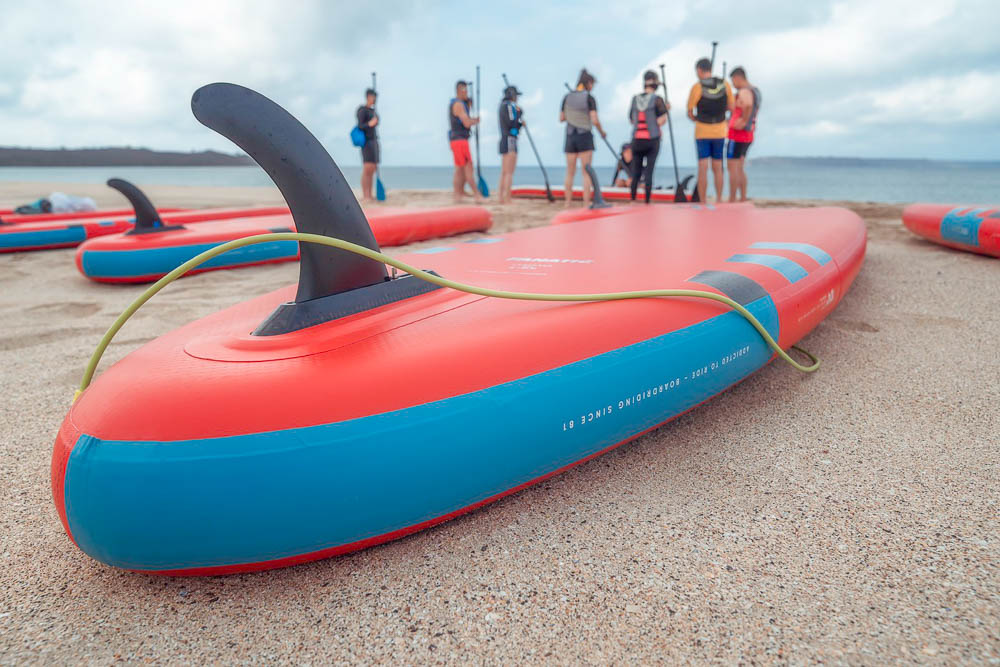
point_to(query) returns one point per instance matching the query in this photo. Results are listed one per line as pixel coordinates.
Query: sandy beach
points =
(849, 516)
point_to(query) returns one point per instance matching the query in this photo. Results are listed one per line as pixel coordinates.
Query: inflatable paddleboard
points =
(359, 406)
(10, 218)
(71, 233)
(610, 193)
(144, 256)
(972, 228)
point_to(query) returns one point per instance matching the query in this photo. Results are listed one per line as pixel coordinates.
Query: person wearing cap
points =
(459, 123)
(647, 113)
(511, 122)
(370, 153)
(579, 112)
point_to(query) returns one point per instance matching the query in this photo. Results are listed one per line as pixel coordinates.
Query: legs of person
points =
(717, 173)
(458, 184)
(702, 178)
(585, 158)
(635, 168)
(367, 178)
(570, 177)
(651, 154)
(470, 178)
(508, 163)
(743, 178)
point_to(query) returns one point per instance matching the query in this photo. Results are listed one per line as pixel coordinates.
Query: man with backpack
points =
(710, 100)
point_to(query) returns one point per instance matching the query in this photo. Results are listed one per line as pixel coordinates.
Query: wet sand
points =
(850, 516)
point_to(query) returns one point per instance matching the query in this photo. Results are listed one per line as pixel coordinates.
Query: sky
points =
(894, 79)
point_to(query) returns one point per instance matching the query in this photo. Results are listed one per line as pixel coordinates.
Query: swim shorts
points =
(710, 148)
(460, 152)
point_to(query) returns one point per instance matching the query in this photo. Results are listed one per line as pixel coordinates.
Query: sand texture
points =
(850, 516)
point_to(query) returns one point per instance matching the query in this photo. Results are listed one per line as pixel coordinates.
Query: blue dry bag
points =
(358, 137)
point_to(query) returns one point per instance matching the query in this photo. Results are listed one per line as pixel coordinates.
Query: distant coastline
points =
(778, 160)
(116, 157)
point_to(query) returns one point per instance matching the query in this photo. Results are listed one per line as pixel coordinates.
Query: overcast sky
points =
(854, 78)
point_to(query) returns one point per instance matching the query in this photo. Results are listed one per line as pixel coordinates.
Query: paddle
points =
(618, 156)
(723, 70)
(379, 188)
(712, 60)
(679, 194)
(484, 190)
(548, 188)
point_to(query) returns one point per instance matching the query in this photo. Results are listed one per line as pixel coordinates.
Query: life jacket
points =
(456, 130)
(714, 102)
(751, 123)
(643, 117)
(510, 119)
(577, 111)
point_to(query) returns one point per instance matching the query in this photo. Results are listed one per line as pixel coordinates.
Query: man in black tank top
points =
(370, 153)
(459, 122)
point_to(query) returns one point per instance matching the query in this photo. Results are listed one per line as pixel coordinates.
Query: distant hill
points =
(864, 162)
(115, 157)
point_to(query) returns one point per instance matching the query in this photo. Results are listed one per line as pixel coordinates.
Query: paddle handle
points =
(670, 127)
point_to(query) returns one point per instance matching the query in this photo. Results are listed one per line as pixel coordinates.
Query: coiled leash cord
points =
(196, 261)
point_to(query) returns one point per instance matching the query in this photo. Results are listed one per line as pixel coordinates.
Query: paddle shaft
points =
(545, 176)
(714, 44)
(670, 127)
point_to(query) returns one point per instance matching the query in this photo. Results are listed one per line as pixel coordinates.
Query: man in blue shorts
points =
(710, 101)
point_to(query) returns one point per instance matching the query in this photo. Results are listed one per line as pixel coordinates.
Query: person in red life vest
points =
(741, 128)
(712, 98)
(579, 112)
(459, 122)
(647, 113)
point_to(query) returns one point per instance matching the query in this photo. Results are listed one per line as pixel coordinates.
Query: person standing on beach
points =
(710, 99)
(647, 113)
(741, 128)
(370, 153)
(459, 122)
(511, 122)
(579, 112)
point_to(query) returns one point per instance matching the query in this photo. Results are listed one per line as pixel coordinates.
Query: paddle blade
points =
(379, 190)
(484, 189)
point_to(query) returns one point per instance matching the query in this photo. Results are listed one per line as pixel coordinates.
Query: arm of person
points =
(562, 110)
(662, 108)
(374, 121)
(693, 98)
(459, 110)
(744, 100)
(730, 101)
(597, 123)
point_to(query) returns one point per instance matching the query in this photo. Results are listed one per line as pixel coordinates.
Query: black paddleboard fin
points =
(598, 201)
(320, 200)
(147, 218)
(680, 192)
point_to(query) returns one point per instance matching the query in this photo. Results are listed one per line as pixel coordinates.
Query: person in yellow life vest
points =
(710, 101)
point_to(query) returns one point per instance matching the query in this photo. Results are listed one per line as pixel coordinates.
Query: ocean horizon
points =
(835, 179)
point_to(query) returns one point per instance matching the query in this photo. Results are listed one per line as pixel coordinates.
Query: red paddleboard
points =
(360, 406)
(16, 218)
(972, 228)
(610, 193)
(71, 233)
(145, 257)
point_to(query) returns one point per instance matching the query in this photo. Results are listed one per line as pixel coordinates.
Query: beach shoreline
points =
(846, 516)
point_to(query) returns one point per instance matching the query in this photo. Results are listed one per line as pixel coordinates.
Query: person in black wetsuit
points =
(647, 113)
(624, 166)
(511, 122)
(370, 153)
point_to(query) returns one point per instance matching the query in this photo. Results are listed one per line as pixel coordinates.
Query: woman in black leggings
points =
(647, 113)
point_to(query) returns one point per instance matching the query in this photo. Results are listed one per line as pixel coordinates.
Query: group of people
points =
(724, 130)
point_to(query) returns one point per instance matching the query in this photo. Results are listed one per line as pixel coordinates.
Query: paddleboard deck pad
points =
(138, 258)
(972, 228)
(267, 451)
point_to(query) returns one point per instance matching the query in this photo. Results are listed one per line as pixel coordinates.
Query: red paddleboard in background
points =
(610, 193)
(578, 214)
(71, 233)
(145, 257)
(972, 228)
(16, 218)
